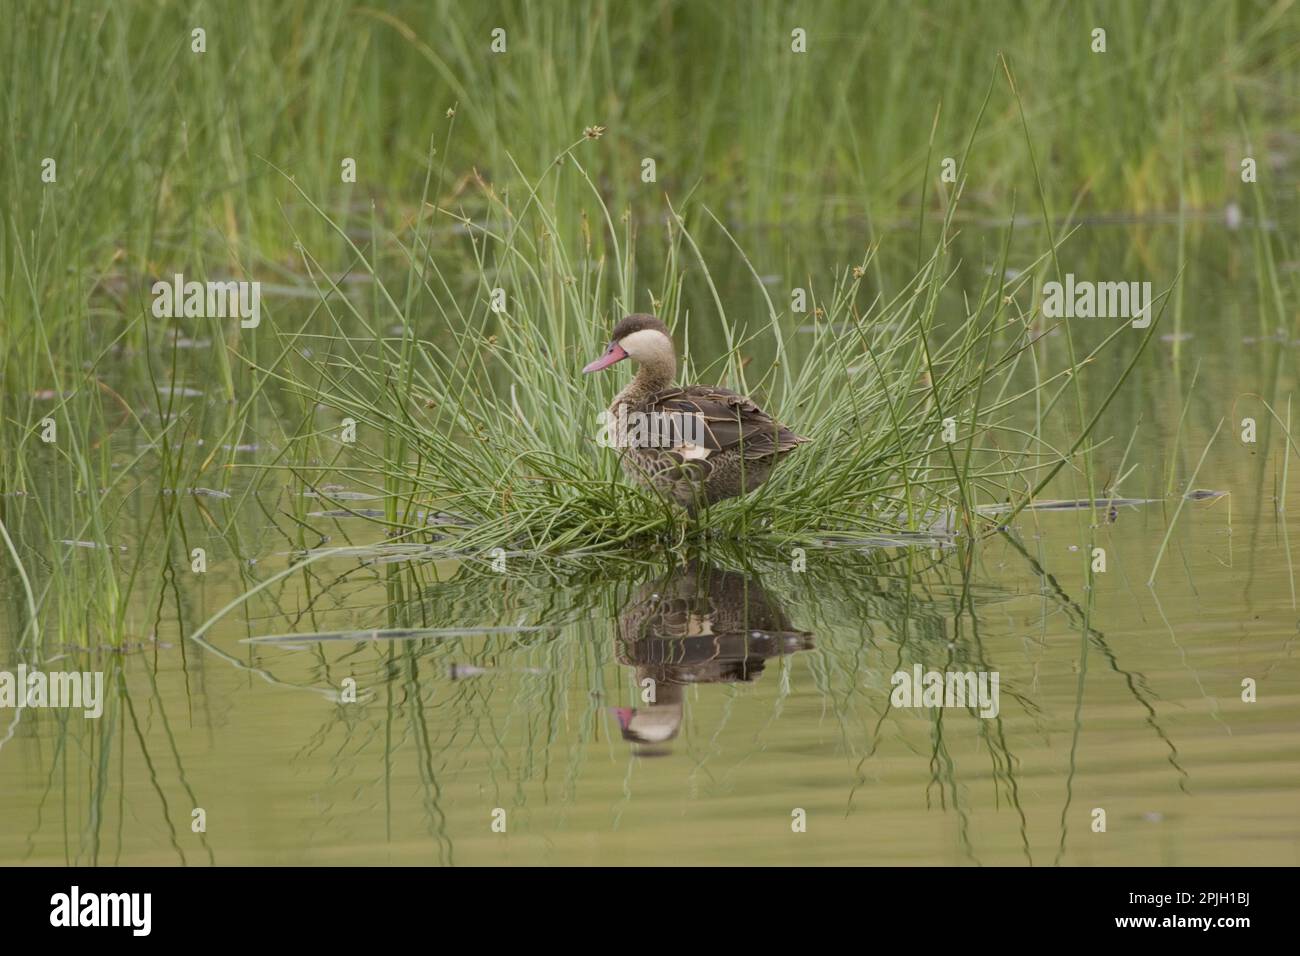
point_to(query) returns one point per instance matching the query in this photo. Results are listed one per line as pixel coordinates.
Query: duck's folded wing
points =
(720, 420)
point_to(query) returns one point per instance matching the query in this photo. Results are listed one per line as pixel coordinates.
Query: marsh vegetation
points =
(395, 475)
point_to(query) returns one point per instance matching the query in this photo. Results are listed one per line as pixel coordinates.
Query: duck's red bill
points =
(613, 354)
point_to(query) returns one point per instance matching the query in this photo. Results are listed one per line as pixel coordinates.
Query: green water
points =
(500, 715)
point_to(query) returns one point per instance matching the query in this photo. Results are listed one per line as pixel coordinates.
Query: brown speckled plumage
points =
(740, 445)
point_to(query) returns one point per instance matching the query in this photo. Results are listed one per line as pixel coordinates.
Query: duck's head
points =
(642, 338)
(655, 725)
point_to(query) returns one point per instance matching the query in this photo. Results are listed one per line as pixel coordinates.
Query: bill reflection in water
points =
(701, 625)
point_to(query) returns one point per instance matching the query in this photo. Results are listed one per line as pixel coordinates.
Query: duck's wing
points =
(718, 419)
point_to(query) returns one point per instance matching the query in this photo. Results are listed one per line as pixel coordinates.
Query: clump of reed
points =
(471, 411)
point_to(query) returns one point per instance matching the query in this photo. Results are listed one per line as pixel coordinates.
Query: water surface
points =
(382, 707)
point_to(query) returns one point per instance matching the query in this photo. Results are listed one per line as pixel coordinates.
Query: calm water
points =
(484, 697)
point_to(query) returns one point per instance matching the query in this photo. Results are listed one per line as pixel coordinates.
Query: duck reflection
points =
(700, 625)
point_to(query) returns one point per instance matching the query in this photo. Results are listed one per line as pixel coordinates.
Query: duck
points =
(695, 445)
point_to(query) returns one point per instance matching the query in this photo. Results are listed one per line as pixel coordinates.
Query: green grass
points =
(169, 160)
(774, 170)
(492, 423)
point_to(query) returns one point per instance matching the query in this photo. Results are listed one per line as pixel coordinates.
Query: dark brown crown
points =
(637, 323)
